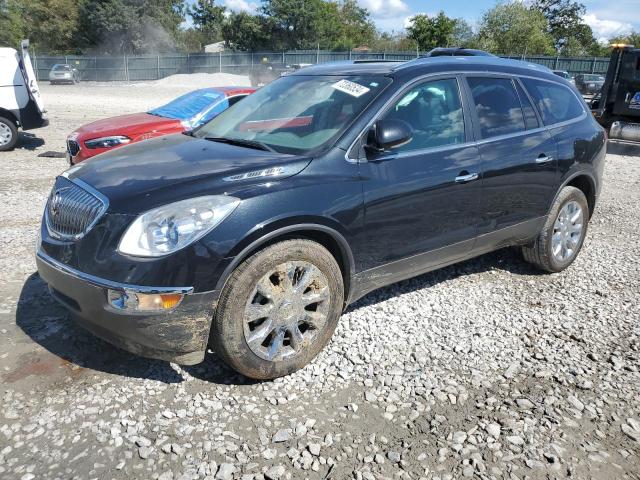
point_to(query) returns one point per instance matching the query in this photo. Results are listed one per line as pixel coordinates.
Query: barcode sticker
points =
(351, 88)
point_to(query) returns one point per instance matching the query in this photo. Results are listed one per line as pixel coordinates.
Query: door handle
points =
(467, 177)
(543, 159)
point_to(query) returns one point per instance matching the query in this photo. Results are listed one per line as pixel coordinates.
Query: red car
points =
(182, 114)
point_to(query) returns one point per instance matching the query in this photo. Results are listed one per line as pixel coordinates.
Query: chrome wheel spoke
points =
(267, 289)
(575, 228)
(315, 296)
(256, 311)
(316, 320)
(296, 338)
(572, 242)
(306, 279)
(575, 215)
(276, 344)
(260, 334)
(286, 274)
(557, 226)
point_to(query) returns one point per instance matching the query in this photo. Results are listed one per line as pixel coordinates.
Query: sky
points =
(606, 18)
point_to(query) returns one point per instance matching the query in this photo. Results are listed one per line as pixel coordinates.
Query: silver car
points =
(63, 73)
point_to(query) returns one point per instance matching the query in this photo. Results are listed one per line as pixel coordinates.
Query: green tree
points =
(430, 32)
(51, 24)
(297, 22)
(462, 35)
(571, 36)
(512, 28)
(393, 41)
(355, 27)
(48, 24)
(190, 40)
(130, 26)
(243, 31)
(11, 24)
(208, 19)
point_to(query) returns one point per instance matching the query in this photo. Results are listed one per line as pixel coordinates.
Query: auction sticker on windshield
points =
(351, 88)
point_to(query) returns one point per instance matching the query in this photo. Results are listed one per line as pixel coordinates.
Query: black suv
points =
(252, 233)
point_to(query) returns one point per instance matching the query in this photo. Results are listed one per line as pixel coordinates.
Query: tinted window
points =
(556, 103)
(497, 105)
(434, 111)
(530, 119)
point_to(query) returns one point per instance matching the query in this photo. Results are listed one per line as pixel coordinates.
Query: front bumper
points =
(180, 335)
(62, 78)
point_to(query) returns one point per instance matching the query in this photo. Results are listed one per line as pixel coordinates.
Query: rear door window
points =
(497, 105)
(556, 103)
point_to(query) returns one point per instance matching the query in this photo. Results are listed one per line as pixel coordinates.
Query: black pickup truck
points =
(617, 106)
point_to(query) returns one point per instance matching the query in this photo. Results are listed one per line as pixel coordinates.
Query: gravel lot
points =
(486, 369)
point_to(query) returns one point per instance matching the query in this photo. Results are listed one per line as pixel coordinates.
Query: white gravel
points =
(202, 80)
(486, 369)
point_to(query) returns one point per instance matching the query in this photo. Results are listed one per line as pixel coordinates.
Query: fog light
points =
(143, 302)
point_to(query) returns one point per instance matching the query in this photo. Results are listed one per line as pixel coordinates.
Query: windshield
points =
(65, 68)
(194, 107)
(591, 78)
(297, 114)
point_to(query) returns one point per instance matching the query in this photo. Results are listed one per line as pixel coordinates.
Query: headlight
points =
(169, 228)
(107, 142)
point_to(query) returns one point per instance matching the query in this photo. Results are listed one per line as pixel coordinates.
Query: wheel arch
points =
(8, 114)
(583, 181)
(326, 236)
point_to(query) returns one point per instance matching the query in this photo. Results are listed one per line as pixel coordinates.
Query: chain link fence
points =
(155, 67)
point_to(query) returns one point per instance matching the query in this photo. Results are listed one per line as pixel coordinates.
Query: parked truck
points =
(20, 101)
(617, 106)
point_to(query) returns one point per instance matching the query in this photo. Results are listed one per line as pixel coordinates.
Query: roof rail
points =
(376, 61)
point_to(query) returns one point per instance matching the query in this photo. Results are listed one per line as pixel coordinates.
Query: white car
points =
(20, 102)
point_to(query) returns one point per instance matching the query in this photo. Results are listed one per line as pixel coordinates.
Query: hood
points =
(130, 125)
(146, 174)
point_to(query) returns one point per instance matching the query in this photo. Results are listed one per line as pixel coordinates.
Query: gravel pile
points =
(486, 369)
(202, 80)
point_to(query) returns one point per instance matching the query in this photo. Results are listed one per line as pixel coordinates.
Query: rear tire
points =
(278, 309)
(8, 134)
(562, 236)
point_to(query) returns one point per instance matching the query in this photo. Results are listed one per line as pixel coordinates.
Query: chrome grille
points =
(72, 210)
(73, 147)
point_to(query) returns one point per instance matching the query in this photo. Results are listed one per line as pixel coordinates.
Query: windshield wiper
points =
(241, 142)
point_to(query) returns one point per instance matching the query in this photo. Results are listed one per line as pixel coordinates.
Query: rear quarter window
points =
(556, 103)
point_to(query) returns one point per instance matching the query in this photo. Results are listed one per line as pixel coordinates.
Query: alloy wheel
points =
(286, 310)
(567, 231)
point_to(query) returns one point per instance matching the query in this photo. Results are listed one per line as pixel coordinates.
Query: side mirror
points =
(387, 134)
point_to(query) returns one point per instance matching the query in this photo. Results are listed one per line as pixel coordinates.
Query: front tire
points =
(562, 236)
(278, 309)
(8, 134)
